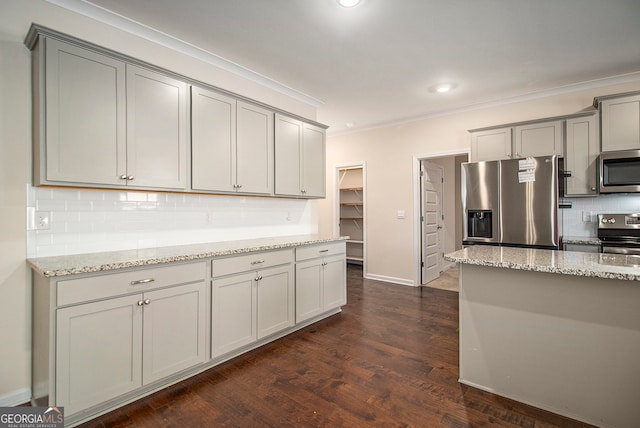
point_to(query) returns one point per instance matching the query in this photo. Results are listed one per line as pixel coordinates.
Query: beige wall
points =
(15, 169)
(390, 153)
(15, 154)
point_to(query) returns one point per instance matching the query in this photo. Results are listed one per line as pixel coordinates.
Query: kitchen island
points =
(558, 330)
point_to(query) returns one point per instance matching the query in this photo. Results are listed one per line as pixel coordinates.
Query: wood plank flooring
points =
(390, 359)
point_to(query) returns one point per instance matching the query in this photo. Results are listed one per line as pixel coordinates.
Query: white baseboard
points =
(391, 279)
(15, 398)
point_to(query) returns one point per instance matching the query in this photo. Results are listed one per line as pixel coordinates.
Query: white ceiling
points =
(377, 63)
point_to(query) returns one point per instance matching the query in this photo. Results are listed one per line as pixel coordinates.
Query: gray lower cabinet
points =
(104, 123)
(252, 297)
(320, 279)
(300, 158)
(103, 339)
(103, 336)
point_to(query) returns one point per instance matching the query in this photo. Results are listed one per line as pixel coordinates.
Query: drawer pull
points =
(142, 281)
(140, 302)
(324, 251)
(257, 262)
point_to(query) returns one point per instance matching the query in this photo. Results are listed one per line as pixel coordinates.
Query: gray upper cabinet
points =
(231, 143)
(517, 141)
(213, 138)
(620, 122)
(491, 144)
(156, 130)
(254, 149)
(105, 123)
(581, 153)
(300, 158)
(538, 139)
(82, 114)
(103, 119)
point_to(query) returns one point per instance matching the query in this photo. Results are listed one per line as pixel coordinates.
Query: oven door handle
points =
(620, 250)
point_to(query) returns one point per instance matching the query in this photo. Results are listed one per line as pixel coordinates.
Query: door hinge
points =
(421, 264)
(421, 173)
(442, 179)
(421, 218)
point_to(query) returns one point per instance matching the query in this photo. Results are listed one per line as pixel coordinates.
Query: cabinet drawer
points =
(109, 285)
(321, 250)
(249, 262)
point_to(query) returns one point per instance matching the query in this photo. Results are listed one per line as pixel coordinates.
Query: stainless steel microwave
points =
(619, 172)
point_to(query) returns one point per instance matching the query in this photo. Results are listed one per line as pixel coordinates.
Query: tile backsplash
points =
(87, 220)
(573, 223)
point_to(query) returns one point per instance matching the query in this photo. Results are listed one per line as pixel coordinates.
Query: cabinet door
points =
(254, 149)
(493, 144)
(288, 140)
(233, 312)
(275, 300)
(156, 130)
(308, 289)
(213, 141)
(620, 123)
(98, 352)
(313, 161)
(174, 330)
(334, 282)
(581, 153)
(538, 139)
(85, 116)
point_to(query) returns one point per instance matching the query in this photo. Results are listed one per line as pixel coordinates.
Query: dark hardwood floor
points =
(390, 359)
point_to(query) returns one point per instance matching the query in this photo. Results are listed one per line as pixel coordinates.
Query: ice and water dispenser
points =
(479, 223)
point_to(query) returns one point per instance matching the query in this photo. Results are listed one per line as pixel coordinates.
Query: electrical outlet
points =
(42, 220)
(587, 216)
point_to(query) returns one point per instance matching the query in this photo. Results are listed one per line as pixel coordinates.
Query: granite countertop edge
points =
(593, 265)
(581, 240)
(74, 264)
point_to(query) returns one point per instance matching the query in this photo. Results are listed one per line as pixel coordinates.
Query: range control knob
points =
(612, 220)
(605, 220)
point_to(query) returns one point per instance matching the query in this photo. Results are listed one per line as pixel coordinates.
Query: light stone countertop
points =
(113, 260)
(581, 240)
(609, 266)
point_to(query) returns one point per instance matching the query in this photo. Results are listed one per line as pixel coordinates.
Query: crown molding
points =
(138, 29)
(560, 90)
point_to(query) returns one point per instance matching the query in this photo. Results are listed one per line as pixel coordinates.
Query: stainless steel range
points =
(619, 233)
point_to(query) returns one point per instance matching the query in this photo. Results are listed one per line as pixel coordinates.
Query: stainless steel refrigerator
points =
(511, 202)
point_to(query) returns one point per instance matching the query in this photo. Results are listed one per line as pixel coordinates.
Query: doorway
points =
(442, 209)
(431, 184)
(351, 210)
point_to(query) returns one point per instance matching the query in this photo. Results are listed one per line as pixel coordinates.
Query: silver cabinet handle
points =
(142, 281)
(140, 302)
(593, 189)
(130, 177)
(257, 262)
(258, 278)
(123, 177)
(147, 301)
(324, 251)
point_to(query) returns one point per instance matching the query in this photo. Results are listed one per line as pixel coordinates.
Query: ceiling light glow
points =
(445, 87)
(442, 88)
(348, 3)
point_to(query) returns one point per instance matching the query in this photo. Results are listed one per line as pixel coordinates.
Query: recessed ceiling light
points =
(443, 87)
(350, 124)
(348, 3)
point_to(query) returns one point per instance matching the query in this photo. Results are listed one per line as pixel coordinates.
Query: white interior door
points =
(431, 185)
